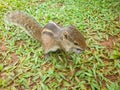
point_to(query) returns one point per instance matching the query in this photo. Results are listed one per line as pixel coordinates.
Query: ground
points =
(22, 63)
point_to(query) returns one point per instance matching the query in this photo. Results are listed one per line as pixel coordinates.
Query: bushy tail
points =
(24, 20)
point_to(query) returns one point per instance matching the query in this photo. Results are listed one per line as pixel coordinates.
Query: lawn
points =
(22, 63)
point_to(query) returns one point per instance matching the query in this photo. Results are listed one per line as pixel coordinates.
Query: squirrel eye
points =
(75, 43)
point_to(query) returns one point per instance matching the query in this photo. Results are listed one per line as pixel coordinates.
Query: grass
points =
(22, 65)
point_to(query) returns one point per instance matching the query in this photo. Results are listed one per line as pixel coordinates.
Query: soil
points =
(111, 42)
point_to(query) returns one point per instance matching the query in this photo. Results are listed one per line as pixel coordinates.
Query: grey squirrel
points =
(52, 36)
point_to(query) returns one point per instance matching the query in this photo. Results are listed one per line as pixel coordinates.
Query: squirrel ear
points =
(65, 35)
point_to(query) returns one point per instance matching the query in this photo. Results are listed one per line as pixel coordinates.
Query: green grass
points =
(22, 65)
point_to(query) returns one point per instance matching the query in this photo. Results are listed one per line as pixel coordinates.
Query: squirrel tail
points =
(24, 20)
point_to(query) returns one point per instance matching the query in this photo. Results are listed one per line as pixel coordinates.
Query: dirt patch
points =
(117, 18)
(3, 76)
(3, 47)
(14, 56)
(113, 78)
(12, 60)
(19, 43)
(111, 42)
(46, 66)
(59, 4)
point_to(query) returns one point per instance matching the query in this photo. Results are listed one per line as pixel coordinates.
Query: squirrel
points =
(52, 36)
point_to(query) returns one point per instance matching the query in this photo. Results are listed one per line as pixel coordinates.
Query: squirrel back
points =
(24, 20)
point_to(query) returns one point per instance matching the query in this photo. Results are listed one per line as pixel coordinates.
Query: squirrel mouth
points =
(77, 50)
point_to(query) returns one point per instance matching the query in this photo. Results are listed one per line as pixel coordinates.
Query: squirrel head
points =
(73, 40)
